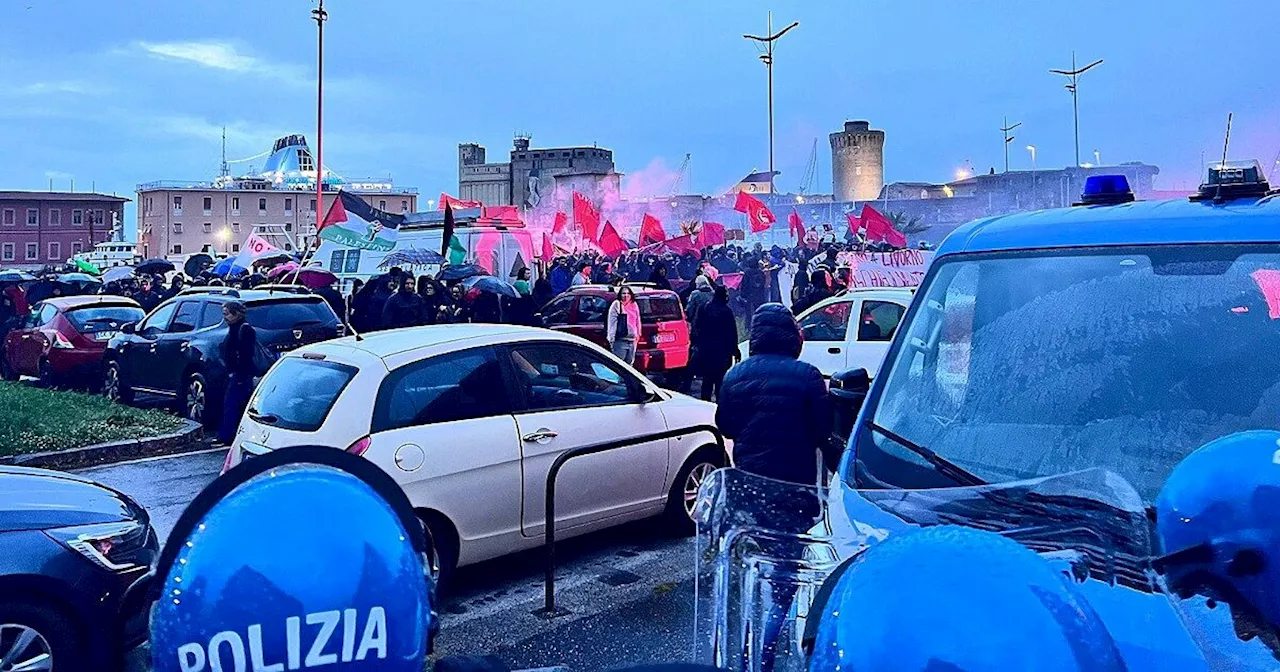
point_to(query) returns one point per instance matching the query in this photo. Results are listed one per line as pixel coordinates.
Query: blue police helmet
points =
(1216, 517)
(954, 598)
(302, 558)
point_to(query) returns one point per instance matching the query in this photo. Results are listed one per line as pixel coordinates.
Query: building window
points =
(77, 217)
(313, 206)
(55, 217)
(235, 227)
(177, 227)
(288, 226)
(8, 217)
(6, 254)
(404, 206)
(77, 247)
(208, 227)
(262, 206)
(97, 217)
(177, 249)
(33, 217)
(177, 205)
(148, 204)
(382, 205)
(33, 251)
(208, 205)
(235, 205)
(288, 247)
(288, 206)
(235, 247)
(55, 251)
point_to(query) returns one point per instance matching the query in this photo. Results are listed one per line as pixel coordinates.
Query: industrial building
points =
(529, 174)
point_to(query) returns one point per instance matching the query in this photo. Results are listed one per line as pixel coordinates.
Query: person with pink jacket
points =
(622, 327)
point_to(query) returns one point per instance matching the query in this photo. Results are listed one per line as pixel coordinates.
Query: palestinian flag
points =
(353, 223)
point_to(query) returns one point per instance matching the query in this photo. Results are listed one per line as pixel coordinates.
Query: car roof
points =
(243, 295)
(603, 290)
(1180, 221)
(383, 344)
(70, 302)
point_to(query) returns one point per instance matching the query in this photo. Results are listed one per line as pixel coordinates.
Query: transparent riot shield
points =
(765, 547)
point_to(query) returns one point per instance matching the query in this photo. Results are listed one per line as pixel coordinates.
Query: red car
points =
(664, 337)
(63, 339)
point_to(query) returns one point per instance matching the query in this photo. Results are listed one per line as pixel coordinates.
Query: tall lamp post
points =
(319, 16)
(1032, 149)
(767, 58)
(1074, 87)
(1005, 128)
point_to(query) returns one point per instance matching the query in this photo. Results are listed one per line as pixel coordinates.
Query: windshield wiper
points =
(267, 418)
(940, 464)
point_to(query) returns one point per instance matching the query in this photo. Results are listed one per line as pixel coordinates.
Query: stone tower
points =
(857, 162)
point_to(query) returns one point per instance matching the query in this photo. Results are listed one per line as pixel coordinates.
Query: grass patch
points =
(34, 420)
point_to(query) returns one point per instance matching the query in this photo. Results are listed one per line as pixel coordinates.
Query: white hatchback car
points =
(468, 420)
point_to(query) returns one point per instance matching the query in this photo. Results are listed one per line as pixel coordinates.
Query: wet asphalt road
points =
(628, 591)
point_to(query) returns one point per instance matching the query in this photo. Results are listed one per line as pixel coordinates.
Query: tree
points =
(908, 224)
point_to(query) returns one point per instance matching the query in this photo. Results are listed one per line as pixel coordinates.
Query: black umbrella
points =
(196, 263)
(451, 273)
(154, 267)
(15, 277)
(488, 283)
(412, 257)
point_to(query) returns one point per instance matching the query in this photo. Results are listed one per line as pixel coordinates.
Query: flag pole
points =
(319, 15)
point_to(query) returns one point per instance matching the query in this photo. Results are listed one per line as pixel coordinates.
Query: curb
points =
(188, 439)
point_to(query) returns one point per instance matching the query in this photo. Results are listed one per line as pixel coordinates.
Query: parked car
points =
(664, 340)
(176, 351)
(835, 341)
(70, 549)
(63, 339)
(469, 418)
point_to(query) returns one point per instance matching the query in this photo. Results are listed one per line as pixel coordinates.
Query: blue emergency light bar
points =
(1106, 190)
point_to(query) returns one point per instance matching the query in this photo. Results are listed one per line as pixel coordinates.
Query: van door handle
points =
(833, 351)
(539, 436)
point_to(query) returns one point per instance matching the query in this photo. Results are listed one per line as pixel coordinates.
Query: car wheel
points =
(684, 489)
(113, 384)
(44, 372)
(38, 637)
(195, 399)
(442, 548)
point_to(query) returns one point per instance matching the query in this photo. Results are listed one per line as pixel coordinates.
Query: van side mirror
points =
(129, 327)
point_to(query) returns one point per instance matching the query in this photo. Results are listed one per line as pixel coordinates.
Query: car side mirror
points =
(129, 327)
(856, 381)
(649, 396)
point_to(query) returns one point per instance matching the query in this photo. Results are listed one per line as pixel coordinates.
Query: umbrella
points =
(450, 273)
(270, 258)
(118, 273)
(196, 263)
(78, 279)
(282, 269)
(412, 257)
(311, 277)
(228, 267)
(154, 267)
(14, 277)
(488, 283)
(86, 266)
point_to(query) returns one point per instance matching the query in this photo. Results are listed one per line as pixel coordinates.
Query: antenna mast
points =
(225, 171)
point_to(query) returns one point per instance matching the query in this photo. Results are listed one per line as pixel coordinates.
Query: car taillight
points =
(57, 340)
(360, 446)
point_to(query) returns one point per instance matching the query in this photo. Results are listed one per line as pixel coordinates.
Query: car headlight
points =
(112, 546)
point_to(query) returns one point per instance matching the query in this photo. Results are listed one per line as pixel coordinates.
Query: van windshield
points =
(1018, 365)
(298, 393)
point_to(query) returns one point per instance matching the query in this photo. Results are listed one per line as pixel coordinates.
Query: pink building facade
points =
(45, 228)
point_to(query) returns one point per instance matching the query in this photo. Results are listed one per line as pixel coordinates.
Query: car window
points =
(186, 319)
(557, 312)
(300, 392)
(290, 314)
(660, 308)
(565, 376)
(210, 315)
(878, 320)
(456, 386)
(103, 318)
(591, 309)
(47, 313)
(159, 319)
(828, 323)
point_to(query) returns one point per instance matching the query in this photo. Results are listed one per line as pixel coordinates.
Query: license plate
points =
(665, 338)
(104, 335)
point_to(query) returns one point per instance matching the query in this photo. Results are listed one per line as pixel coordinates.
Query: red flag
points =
(682, 244)
(547, 253)
(880, 227)
(758, 213)
(855, 223)
(586, 216)
(651, 230)
(456, 204)
(610, 242)
(336, 215)
(502, 212)
(712, 234)
(562, 220)
(795, 225)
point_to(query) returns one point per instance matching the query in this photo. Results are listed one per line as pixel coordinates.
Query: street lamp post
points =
(224, 235)
(1005, 128)
(319, 16)
(767, 59)
(1097, 158)
(1074, 87)
(1032, 149)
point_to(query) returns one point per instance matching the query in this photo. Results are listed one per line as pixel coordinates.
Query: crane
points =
(681, 175)
(811, 171)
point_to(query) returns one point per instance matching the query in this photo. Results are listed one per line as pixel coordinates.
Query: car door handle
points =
(540, 435)
(833, 351)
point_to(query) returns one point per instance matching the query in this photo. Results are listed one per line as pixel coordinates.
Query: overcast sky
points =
(117, 93)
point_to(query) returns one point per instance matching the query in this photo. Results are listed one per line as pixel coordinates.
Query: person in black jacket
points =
(237, 356)
(715, 342)
(404, 307)
(333, 297)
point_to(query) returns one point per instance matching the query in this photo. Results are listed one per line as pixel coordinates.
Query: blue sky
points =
(118, 93)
